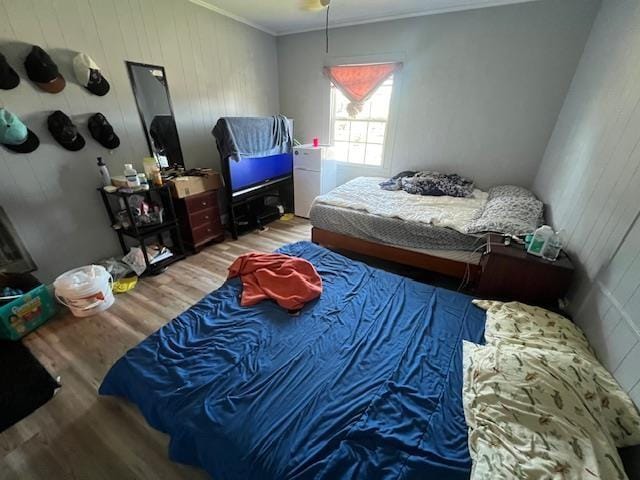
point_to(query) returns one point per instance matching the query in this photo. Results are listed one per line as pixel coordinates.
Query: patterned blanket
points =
(539, 404)
(430, 183)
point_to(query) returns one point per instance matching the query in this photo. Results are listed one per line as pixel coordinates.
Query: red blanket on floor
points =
(290, 281)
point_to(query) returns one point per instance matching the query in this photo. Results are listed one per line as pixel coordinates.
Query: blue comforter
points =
(364, 383)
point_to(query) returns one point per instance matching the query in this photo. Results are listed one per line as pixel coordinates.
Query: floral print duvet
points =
(538, 403)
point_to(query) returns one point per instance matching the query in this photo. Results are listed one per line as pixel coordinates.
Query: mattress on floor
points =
(365, 382)
(389, 230)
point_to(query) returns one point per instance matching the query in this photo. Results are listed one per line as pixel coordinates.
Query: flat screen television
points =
(249, 173)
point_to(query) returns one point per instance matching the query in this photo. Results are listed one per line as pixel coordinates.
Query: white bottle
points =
(131, 175)
(144, 182)
(104, 173)
(540, 238)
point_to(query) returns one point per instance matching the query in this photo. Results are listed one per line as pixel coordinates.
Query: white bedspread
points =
(364, 193)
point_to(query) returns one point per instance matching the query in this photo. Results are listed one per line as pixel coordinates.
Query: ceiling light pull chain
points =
(326, 30)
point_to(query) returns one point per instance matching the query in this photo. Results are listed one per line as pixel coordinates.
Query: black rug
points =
(25, 384)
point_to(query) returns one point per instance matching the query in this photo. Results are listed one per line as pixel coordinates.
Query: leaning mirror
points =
(150, 87)
(14, 257)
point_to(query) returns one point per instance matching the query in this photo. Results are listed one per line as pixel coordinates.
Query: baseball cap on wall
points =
(15, 135)
(89, 75)
(8, 77)
(102, 131)
(43, 71)
(64, 131)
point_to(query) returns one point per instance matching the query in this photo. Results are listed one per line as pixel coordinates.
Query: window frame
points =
(389, 139)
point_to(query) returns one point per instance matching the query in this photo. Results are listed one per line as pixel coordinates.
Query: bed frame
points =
(445, 266)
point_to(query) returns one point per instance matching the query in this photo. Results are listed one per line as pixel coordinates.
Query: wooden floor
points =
(78, 435)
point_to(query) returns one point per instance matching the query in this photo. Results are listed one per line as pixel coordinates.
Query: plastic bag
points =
(117, 268)
(135, 260)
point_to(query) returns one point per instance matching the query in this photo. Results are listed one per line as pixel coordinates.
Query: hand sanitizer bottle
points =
(540, 237)
(132, 176)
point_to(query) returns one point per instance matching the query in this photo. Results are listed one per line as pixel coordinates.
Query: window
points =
(360, 140)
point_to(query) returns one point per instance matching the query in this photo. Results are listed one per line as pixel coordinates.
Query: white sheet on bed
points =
(364, 193)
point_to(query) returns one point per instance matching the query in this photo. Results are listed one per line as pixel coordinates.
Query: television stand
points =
(254, 209)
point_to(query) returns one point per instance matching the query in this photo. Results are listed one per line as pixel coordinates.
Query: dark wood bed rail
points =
(444, 266)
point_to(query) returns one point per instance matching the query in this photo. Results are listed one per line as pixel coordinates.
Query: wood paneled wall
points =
(590, 180)
(215, 66)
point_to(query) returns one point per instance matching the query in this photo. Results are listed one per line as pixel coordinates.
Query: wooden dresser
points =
(199, 218)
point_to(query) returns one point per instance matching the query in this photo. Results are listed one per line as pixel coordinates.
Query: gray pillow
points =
(508, 215)
(509, 191)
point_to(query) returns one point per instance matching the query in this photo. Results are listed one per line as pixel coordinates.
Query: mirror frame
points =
(130, 66)
(10, 237)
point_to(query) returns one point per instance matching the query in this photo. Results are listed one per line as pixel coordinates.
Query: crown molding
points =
(423, 13)
(360, 21)
(232, 16)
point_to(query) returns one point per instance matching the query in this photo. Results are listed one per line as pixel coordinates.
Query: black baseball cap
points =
(8, 77)
(64, 131)
(102, 131)
(89, 75)
(43, 71)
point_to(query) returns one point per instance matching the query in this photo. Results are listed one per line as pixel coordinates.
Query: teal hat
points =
(15, 135)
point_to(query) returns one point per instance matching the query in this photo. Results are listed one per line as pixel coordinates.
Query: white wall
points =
(215, 66)
(590, 179)
(479, 93)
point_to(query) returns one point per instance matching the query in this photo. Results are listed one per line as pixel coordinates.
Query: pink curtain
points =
(359, 82)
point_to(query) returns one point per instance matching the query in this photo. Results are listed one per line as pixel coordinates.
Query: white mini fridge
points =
(314, 173)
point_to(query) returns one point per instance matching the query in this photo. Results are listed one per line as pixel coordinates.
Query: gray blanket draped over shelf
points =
(252, 136)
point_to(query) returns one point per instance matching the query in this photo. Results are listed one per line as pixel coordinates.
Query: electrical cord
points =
(467, 272)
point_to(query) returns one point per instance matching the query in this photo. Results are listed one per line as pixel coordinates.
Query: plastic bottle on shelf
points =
(105, 177)
(156, 176)
(131, 175)
(144, 183)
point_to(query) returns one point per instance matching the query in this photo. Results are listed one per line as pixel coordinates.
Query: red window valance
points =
(359, 82)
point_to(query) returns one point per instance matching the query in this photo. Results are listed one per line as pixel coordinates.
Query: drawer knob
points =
(208, 230)
(204, 204)
(206, 217)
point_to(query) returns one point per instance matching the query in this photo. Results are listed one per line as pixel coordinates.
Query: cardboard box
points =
(192, 185)
(28, 312)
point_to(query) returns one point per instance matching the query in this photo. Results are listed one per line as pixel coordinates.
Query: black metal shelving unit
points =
(141, 234)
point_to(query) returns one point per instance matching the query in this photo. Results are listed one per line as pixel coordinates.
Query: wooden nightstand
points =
(199, 218)
(510, 273)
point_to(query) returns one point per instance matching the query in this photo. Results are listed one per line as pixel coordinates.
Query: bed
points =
(423, 231)
(365, 382)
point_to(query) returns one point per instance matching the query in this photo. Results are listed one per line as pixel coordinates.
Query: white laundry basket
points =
(85, 290)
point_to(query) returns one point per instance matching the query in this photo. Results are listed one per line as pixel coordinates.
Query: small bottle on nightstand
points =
(552, 247)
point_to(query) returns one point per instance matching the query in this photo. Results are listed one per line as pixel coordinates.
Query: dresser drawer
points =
(201, 201)
(203, 217)
(206, 232)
